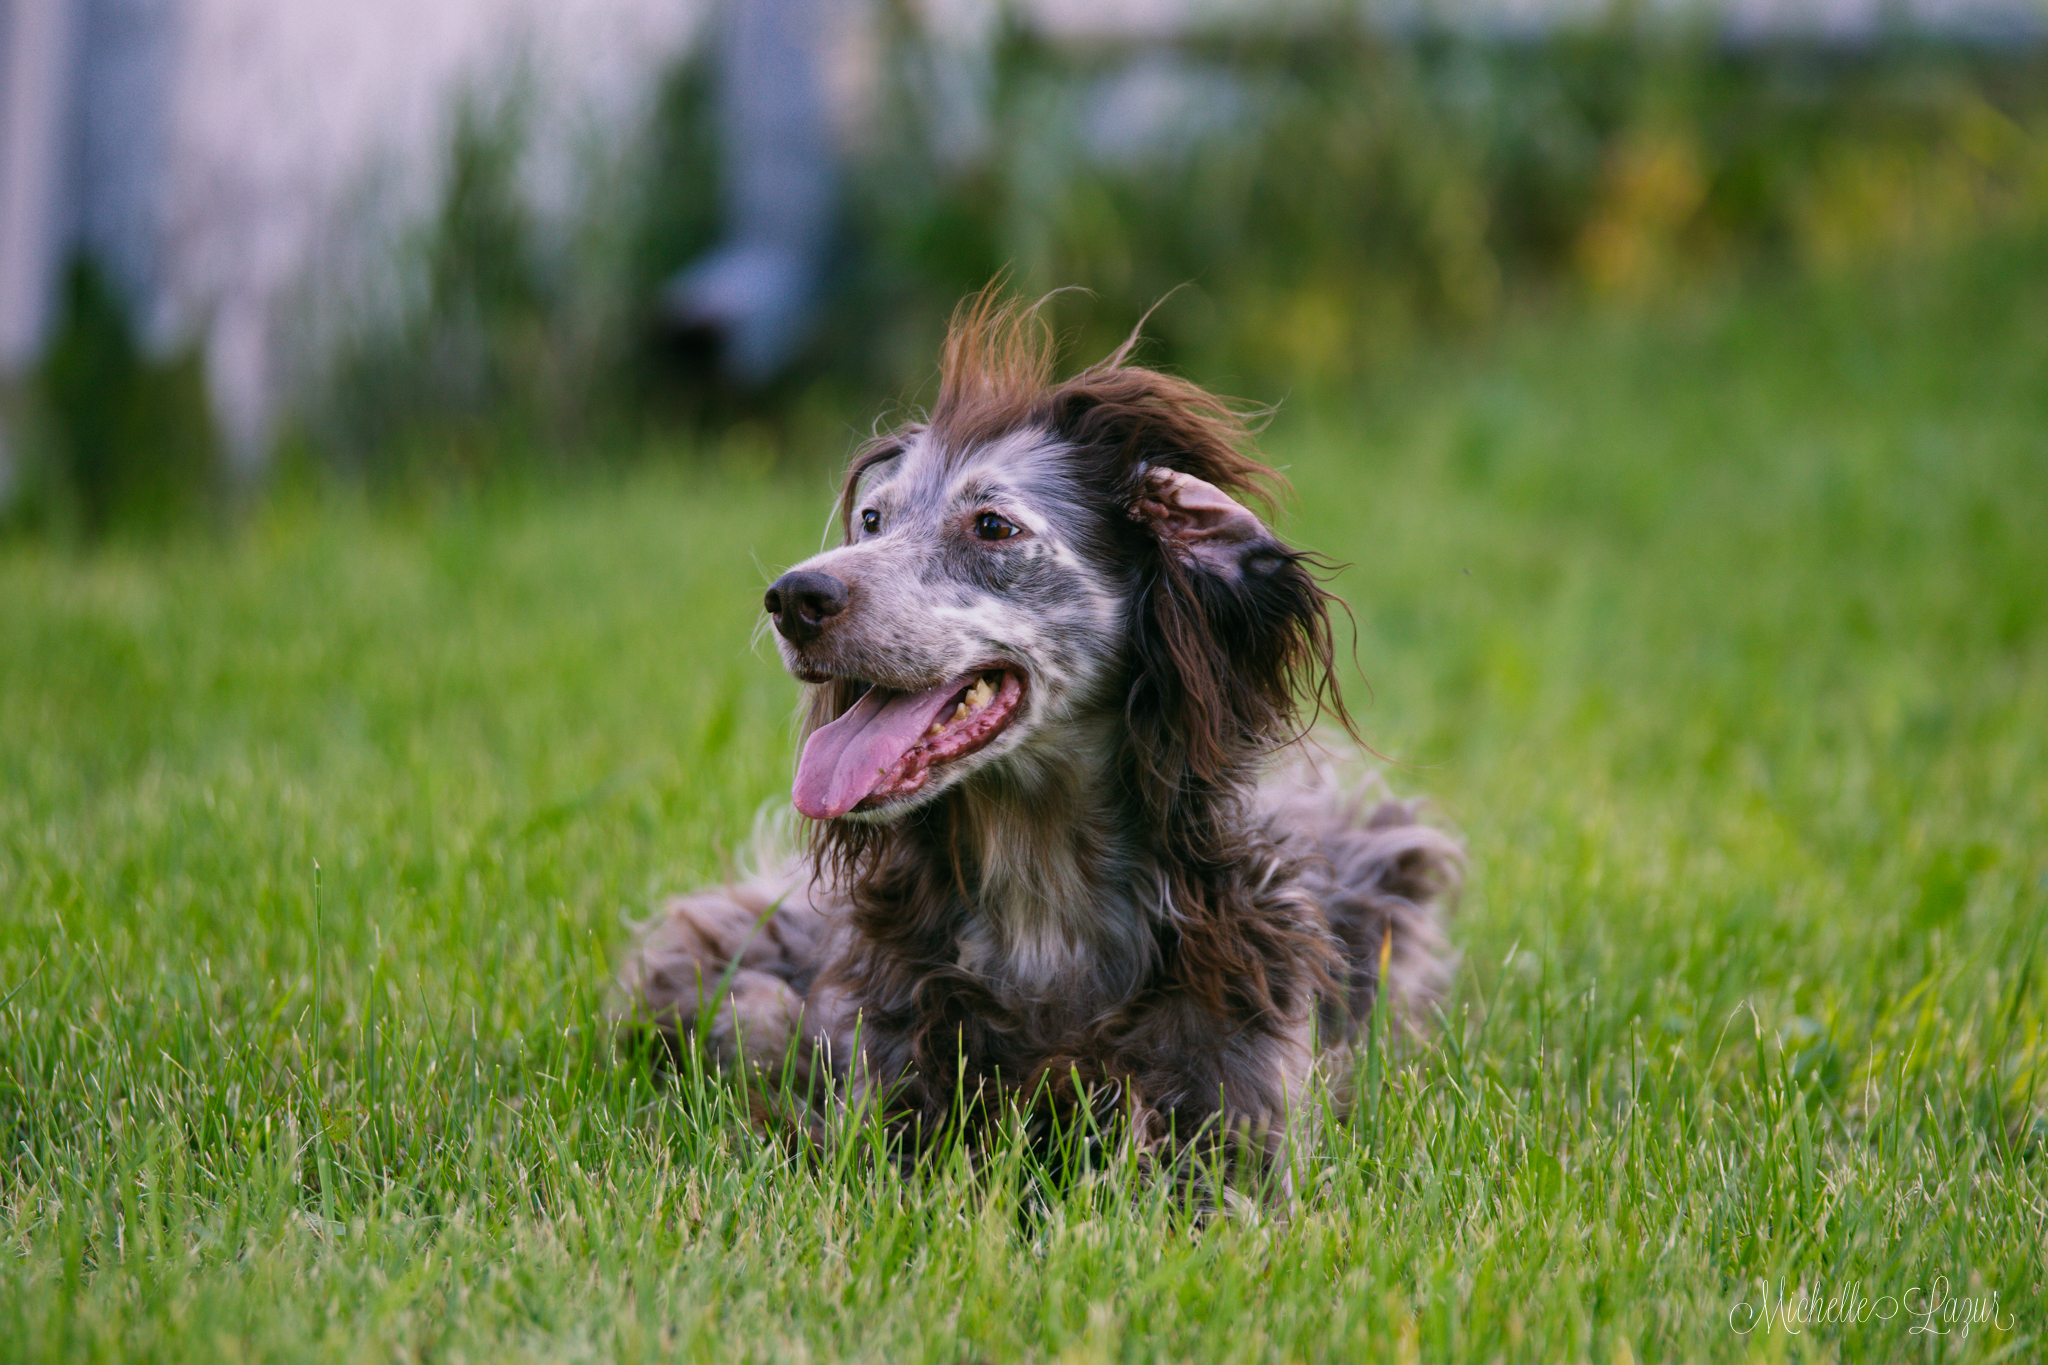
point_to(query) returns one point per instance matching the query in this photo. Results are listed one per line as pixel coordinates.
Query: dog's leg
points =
(729, 967)
(1386, 881)
(1391, 881)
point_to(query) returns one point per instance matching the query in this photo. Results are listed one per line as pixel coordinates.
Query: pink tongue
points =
(844, 761)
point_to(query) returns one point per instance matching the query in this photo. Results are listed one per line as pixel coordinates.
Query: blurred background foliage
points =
(1311, 203)
(1323, 201)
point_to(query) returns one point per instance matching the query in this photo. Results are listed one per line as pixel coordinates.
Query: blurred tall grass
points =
(1317, 202)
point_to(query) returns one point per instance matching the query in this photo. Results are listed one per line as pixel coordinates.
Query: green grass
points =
(1722, 635)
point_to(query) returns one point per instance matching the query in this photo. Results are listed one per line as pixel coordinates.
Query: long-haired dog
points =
(1047, 667)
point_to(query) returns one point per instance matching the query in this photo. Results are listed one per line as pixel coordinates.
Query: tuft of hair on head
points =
(994, 369)
(997, 375)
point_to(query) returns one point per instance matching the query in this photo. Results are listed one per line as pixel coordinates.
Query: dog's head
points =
(1041, 565)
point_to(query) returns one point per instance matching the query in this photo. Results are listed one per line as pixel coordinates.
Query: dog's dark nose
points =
(802, 601)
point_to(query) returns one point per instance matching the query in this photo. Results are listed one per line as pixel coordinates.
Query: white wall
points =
(251, 164)
(309, 136)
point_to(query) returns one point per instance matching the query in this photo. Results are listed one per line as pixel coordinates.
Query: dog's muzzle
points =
(802, 601)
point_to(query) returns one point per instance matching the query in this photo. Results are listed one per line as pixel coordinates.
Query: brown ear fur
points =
(1223, 661)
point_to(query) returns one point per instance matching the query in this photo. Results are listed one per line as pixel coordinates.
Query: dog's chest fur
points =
(1057, 914)
(1042, 954)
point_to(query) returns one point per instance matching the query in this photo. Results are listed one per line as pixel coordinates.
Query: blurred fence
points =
(1329, 185)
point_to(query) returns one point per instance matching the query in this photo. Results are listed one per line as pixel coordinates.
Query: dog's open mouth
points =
(888, 742)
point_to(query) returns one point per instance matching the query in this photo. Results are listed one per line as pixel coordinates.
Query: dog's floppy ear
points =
(1229, 629)
(1229, 626)
(1201, 523)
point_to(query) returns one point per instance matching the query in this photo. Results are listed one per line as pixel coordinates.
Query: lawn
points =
(1721, 633)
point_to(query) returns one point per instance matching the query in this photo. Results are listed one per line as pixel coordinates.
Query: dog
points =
(1048, 669)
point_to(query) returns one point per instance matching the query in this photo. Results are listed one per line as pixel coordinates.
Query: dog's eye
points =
(870, 521)
(989, 526)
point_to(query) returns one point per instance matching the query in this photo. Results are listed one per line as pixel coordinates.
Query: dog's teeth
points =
(978, 695)
(936, 727)
(960, 711)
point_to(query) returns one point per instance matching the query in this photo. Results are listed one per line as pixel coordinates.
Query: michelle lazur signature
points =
(1927, 1310)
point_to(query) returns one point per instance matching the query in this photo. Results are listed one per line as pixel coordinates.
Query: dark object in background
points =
(751, 302)
(119, 439)
(104, 417)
